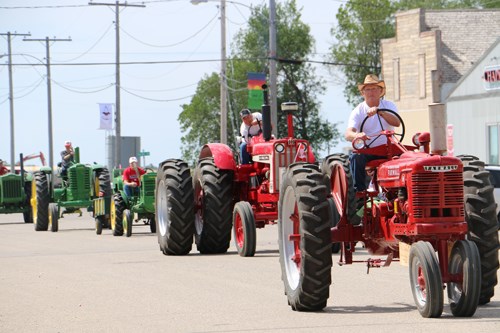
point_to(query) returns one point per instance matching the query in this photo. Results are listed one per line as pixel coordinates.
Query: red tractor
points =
(224, 195)
(435, 213)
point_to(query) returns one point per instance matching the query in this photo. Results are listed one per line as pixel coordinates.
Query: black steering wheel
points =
(396, 135)
(149, 170)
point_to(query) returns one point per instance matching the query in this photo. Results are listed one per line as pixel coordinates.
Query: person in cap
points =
(132, 177)
(67, 158)
(251, 126)
(3, 169)
(372, 90)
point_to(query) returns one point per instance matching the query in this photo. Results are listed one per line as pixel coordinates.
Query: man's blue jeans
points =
(245, 156)
(358, 164)
(130, 191)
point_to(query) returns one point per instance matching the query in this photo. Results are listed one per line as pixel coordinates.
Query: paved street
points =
(77, 281)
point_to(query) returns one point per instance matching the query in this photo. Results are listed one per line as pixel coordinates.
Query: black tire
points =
(127, 222)
(480, 213)
(53, 217)
(152, 225)
(100, 223)
(27, 213)
(174, 207)
(244, 230)
(337, 166)
(102, 178)
(40, 203)
(213, 207)
(425, 280)
(465, 262)
(306, 258)
(117, 208)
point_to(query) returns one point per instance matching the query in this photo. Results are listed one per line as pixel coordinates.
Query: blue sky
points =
(150, 104)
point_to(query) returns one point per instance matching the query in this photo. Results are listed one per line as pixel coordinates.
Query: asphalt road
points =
(76, 281)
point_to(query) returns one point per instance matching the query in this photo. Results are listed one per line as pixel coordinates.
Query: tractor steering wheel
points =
(396, 135)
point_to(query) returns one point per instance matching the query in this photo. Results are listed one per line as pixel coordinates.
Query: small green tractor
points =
(125, 210)
(15, 193)
(86, 186)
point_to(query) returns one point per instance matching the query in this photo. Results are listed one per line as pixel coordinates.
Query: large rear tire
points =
(117, 208)
(174, 207)
(425, 280)
(480, 213)
(244, 230)
(40, 201)
(304, 237)
(27, 213)
(102, 183)
(465, 262)
(213, 207)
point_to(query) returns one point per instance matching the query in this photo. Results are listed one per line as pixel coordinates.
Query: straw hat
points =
(372, 79)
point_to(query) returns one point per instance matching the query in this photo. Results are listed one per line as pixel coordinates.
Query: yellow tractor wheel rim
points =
(33, 201)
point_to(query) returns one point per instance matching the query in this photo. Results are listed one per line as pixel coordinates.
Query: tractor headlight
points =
(279, 148)
(358, 143)
(415, 140)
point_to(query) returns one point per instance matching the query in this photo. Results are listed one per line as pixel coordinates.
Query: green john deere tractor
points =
(15, 193)
(125, 210)
(86, 186)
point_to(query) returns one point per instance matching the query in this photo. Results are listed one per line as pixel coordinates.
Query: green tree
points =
(296, 82)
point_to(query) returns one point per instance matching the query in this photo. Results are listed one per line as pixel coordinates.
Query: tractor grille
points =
(11, 189)
(437, 194)
(79, 183)
(148, 186)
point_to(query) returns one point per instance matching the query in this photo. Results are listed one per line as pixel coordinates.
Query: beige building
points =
(431, 52)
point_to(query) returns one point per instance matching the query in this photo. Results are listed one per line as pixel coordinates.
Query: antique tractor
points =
(224, 195)
(15, 193)
(125, 210)
(435, 213)
(86, 186)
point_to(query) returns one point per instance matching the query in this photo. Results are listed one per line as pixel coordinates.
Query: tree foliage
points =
(362, 24)
(296, 82)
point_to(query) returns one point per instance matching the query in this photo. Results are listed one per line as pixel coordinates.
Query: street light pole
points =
(223, 79)
(272, 66)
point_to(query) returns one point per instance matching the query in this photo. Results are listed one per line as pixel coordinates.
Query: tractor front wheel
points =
(304, 237)
(425, 280)
(465, 263)
(100, 223)
(174, 202)
(127, 221)
(53, 217)
(244, 230)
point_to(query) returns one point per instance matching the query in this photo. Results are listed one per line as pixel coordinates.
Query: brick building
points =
(431, 52)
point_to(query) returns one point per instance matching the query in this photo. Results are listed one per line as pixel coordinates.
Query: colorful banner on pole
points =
(255, 92)
(106, 116)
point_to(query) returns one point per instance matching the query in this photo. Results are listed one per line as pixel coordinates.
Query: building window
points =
(493, 144)
(421, 76)
(395, 71)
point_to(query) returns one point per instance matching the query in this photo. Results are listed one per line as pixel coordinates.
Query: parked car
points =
(495, 181)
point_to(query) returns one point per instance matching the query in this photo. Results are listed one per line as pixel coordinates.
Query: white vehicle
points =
(495, 181)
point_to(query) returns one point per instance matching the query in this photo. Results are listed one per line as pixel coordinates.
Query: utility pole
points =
(11, 101)
(223, 78)
(117, 5)
(272, 66)
(49, 91)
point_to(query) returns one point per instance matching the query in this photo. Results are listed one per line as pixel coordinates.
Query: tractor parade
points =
(295, 190)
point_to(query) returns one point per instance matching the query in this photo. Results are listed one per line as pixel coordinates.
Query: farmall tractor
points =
(86, 186)
(223, 195)
(437, 213)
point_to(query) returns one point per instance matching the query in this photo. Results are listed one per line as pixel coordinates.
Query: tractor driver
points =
(3, 169)
(67, 158)
(372, 90)
(132, 177)
(250, 126)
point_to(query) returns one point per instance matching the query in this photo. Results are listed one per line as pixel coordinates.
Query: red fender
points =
(222, 154)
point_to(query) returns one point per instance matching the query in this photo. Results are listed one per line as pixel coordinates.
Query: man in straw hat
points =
(372, 89)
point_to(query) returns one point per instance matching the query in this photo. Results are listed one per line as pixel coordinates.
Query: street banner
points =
(106, 116)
